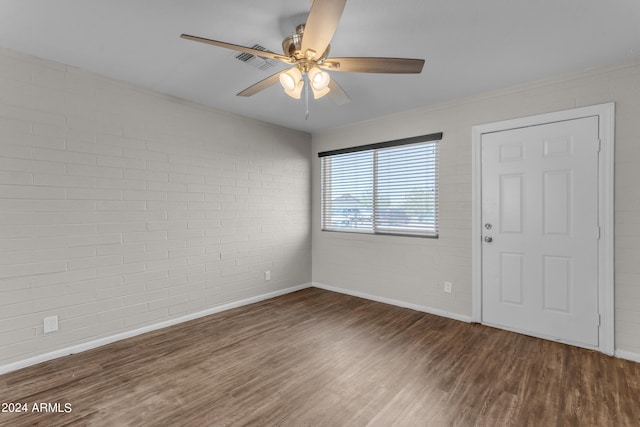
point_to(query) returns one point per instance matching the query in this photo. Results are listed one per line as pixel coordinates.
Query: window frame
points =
(386, 230)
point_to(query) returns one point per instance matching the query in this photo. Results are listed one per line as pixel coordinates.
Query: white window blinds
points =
(386, 188)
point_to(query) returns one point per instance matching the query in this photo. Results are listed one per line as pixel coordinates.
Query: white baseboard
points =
(628, 355)
(128, 334)
(422, 308)
(622, 354)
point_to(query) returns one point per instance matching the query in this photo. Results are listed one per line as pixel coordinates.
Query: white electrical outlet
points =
(448, 287)
(267, 275)
(50, 324)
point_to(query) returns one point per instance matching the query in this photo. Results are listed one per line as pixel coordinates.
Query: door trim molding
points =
(606, 124)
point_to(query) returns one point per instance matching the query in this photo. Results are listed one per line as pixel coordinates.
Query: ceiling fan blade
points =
(262, 84)
(256, 52)
(337, 95)
(321, 25)
(375, 65)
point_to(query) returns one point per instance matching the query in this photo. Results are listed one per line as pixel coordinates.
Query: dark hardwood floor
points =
(317, 358)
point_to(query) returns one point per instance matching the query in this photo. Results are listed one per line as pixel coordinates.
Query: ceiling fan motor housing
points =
(292, 45)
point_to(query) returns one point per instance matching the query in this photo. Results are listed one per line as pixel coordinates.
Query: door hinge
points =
(598, 145)
(598, 233)
(598, 320)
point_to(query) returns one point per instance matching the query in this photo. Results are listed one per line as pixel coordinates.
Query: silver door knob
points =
(488, 239)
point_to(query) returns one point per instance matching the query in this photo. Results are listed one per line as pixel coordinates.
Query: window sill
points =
(382, 233)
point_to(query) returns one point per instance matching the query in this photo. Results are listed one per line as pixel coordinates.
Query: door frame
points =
(606, 124)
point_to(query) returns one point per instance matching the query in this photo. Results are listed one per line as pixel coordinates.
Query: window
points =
(385, 188)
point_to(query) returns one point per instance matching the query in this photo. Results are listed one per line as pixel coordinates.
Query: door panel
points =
(511, 278)
(540, 226)
(511, 203)
(557, 203)
(557, 283)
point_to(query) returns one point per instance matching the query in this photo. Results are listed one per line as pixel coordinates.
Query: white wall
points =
(121, 208)
(412, 270)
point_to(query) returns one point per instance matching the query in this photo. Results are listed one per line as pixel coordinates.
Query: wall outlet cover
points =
(50, 324)
(448, 287)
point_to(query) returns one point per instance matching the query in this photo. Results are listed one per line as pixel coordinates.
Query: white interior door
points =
(540, 230)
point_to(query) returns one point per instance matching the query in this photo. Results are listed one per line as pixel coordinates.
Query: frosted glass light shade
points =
(290, 79)
(296, 91)
(319, 79)
(317, 94)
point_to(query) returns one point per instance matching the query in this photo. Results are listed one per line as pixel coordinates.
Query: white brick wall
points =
(120, 208)
(413, 270)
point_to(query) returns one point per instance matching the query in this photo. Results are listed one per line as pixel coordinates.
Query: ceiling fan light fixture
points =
(296, 92)
(290, 79)
(319, 79)
(317, 94)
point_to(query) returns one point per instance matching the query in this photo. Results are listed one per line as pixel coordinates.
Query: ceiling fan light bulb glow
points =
(287, 82)
(319, 79)
(290, 79)
(296, 92)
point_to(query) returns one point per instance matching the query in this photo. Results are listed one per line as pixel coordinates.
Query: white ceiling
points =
(470, 46)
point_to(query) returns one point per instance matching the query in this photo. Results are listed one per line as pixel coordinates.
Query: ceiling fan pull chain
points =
(306, 96)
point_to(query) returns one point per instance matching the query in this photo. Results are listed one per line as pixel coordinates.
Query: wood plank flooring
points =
(317, 358)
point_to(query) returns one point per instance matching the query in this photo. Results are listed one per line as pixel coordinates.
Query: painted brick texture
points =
(121, 208)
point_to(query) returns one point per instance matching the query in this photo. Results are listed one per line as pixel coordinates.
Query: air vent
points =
(256, 61)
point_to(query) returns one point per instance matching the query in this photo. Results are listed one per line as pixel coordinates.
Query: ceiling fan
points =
(307, 52)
